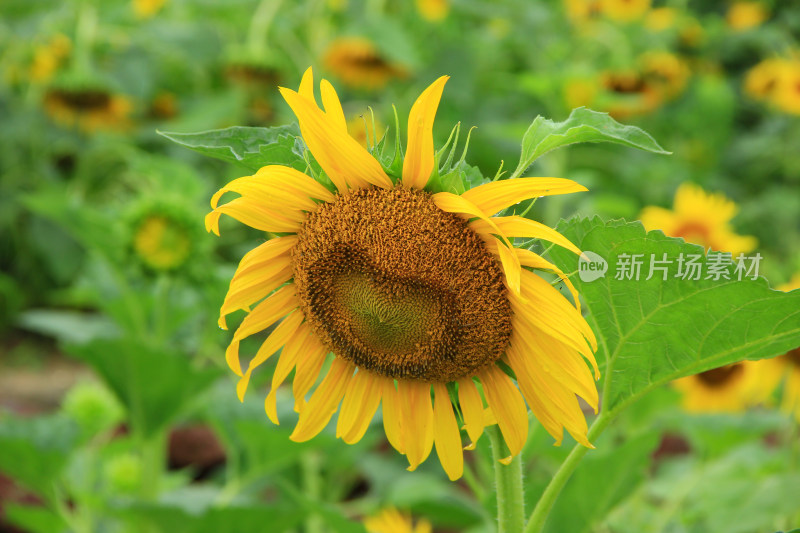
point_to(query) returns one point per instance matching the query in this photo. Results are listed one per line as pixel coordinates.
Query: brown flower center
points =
(718, 377)
(397, 286)
(793, 356)
(84, 100)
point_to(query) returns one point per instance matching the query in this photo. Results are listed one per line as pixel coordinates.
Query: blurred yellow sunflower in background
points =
(161, 243)
(784, 369)
(391, 520)
(433, 10)
(727, 389)
(665, 71)
(787, 92)
(88, 109)
(358, 63)
(701, 218)
(412, 292)
(363, 128)
(47, 58)
(147, 8)
(761, 80)
(746, 15)
(624, 10)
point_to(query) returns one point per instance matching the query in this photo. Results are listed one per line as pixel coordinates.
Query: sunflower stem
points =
(508, 483)
(312, 487)
(545, 504)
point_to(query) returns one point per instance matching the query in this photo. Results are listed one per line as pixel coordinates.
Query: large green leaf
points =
(154, 384)
(653, 331)
(249, 147)
(583, 125)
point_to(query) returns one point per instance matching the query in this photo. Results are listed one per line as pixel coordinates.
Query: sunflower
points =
(661, 18)
(624, 10)
(359, 64)
(700, 218)
(729, 388)
(162, 243)
(627, 93)
(787, 92)
(761, 80)
(433, 10)
(411, 292)
(784, 369)
(147, 8)
(665, 71)
(47, 58)
(391, 520)
(89, 109)
(745, 15)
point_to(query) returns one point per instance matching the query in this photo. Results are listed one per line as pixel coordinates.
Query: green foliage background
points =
(99, 451)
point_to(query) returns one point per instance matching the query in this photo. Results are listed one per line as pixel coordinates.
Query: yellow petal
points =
(507, 404)
(452, 203)
(446, 435)
(299, 343)
(516, 226)
(360, 403)
(417, 421)
(305, 375)
(277, 195)
(492, 197)
(333, 107)
(264, 315)
(280, 176)
(471, 409)
(531, 320)
(255, 215)
(306, 89)
(534, 260)
(418, 162)
(279, 336)
(247, 291)
(392, 417)
(342, 158)
(552, 302)
(324, 402)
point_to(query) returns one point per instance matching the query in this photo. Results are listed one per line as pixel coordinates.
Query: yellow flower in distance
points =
(665, 71)
(48, 58)
(701, 218)
(358, 63)
(391, 520)
(624, 10)
(787, 91)
(661, 18)
(161, 242)
(147, 8)
(433, 10)
(363, 128)
(762, 80)
(729, 388)
(411, 292)
(88, 109)
(745, 15)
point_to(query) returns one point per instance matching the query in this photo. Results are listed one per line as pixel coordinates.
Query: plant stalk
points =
(508, 482)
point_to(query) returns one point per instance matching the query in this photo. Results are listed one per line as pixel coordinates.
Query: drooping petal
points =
(549, 300)
(506, 403)
(306, 89)
(417, 420)
(278, 338)
(534, 260)
(392, 417)
(324, 402)
(516, 226)
(531, 320)
(360, 403)
(471, 409)
(418, 162)
(301, 342)
(446, 434)
(494, 196)
(306, 372)
(252, 288)
(342, 158)
(277, 195)
(264, 315)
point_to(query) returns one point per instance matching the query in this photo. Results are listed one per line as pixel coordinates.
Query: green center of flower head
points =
(717, 377)
(393, 284)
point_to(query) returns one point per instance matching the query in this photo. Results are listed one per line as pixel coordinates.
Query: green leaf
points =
(651, 331)
(154, 384)
(67, 326)
(33, 451)
(602, 481)
(583, 125)
(249, 147)
(33, 518)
